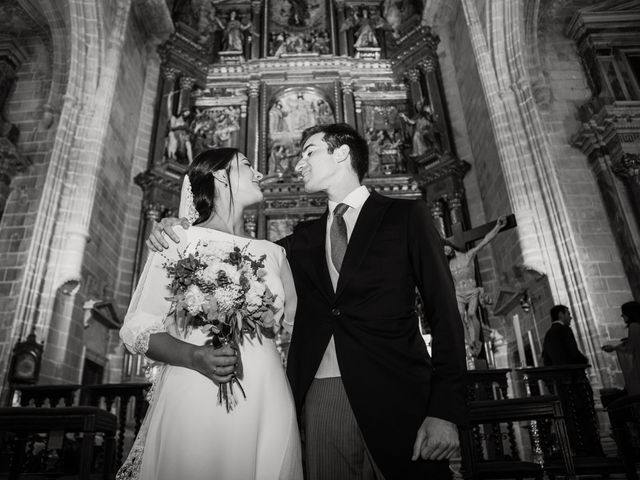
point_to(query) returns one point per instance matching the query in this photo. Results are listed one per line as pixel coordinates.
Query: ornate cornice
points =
(615, 130)
(445, 165)
(414, 49)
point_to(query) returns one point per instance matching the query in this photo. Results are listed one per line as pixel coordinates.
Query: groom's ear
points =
(341, 153)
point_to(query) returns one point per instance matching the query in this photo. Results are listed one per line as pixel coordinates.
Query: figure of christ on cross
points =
(462, 265)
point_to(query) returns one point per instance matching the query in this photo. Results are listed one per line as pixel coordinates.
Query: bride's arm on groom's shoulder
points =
(290, 295)
(145, 331)
(157, 241)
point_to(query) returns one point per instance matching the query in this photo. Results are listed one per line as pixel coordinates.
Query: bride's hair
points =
(203, 184)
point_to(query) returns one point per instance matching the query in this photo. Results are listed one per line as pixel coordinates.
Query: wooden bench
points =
(24, 421)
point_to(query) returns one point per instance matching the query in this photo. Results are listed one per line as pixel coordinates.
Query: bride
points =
(186, 433)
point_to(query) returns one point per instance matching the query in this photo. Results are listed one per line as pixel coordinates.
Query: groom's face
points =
(316, 166)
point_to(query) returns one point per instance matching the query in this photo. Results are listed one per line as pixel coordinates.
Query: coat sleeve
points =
(435, 284)
(285, 242)
(573, 354)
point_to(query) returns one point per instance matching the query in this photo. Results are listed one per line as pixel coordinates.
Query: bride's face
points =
(244, 182)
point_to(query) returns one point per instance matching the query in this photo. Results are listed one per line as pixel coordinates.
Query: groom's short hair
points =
(338, 134)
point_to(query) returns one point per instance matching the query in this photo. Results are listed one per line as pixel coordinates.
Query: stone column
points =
(438, 217)
(186, 87)
(359, 119)
(242, 137)
(253, 122)
(339, 110)
(429, 68)
(454, 203)
(413, 80)
(169, 75)
(152, 213)
(348, 104)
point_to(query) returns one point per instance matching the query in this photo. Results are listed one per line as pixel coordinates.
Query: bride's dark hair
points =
(203, 184)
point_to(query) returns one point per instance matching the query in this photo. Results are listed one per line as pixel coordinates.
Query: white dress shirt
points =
(329, 364)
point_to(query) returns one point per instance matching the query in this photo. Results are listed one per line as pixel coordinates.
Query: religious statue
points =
(208, 22)
(365, 35)
(323, 113)
(277, 116)
(468, 294)
(374, 140)
(178, 139)
(280, 162)
(424, 126)
(320, 42)
(235, 33)
(298, 12)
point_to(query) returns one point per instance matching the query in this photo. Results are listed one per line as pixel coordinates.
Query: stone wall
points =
(32, 107)
(597, 253)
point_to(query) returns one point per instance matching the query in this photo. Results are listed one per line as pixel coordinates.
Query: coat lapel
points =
(363, 233)
(314, 259)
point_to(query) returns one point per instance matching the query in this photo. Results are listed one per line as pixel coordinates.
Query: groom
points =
(373, 405)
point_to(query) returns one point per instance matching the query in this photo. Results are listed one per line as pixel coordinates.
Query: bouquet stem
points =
(226, 394)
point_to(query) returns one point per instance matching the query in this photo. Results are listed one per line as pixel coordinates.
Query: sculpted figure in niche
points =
(208, 23)
(277, 116)
(364, 36)
(178, 140)
(235, 33)
(423, 137)
(468, 294)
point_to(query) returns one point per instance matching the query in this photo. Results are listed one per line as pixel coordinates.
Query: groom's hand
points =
(157, 240)
(437, 439)
(218, 364)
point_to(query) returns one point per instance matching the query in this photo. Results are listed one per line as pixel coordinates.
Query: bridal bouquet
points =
(223, 293)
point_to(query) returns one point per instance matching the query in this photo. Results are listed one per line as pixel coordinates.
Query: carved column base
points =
(368, 53)
(231, 58)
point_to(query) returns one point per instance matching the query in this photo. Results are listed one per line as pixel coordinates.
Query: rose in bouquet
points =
(222, 292)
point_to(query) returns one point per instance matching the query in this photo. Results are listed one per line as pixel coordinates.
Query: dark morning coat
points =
(391, 382)
(560, 347)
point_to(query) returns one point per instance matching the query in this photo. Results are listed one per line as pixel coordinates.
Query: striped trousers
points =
(334, 448)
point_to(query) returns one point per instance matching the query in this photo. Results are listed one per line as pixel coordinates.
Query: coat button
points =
(336, 312)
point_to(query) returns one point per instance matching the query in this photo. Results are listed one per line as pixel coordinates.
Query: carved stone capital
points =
(436, 210)
(428, 65)
(412, 75)
(153, 211)
(169, 73)
(187, 83)
(347, 88)
(254, 89)
(627, 167)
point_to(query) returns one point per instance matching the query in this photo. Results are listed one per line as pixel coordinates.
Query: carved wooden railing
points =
(478, 461)
(490, 385)
(126, 400)
(487, 384)
(571, 385)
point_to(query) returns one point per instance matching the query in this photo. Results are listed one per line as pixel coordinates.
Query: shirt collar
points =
(559, 322)
(355, 199)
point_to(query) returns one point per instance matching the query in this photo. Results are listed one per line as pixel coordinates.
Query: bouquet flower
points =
(223, 293)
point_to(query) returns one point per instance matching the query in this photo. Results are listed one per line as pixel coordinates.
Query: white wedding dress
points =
(186, 434)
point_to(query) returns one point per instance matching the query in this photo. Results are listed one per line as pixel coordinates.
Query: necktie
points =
(338, 235)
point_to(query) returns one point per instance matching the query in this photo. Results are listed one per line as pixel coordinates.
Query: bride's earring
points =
(221, 180)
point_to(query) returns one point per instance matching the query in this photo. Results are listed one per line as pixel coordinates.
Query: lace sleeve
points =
(149, 305)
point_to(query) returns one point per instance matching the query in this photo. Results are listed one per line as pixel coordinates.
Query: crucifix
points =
(462, 264)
